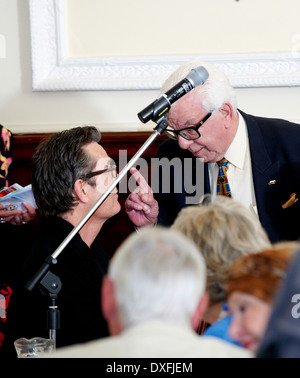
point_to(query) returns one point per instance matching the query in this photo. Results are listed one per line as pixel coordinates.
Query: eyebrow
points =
(188, 123)
(110, 163)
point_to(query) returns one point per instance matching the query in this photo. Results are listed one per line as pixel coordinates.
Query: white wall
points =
(180, 26)
(259, 26)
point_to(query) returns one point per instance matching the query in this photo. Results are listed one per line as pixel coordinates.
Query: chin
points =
(117, 207)
(204, 158)
(113, 205)
(205, 155)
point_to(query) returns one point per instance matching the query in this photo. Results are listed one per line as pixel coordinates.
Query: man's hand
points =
(141, 206)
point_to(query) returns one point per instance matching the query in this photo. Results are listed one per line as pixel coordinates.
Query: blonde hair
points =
(223, 230)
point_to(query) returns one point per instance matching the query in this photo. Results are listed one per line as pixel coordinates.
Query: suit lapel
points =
(265, 178)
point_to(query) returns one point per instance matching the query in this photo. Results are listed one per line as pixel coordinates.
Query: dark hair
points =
(57, 163)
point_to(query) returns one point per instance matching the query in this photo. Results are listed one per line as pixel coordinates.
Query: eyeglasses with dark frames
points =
(188, 133)
(112, 169)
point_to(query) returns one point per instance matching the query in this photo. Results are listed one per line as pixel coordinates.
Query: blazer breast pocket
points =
(291, 201)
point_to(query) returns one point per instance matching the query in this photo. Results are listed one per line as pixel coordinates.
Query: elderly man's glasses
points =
(189, 133)
(112, 169)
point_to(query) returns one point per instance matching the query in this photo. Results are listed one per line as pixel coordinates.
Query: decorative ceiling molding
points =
(53, 70)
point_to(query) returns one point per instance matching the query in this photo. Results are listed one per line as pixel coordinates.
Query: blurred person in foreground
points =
(282, 336)
(70, 172)
(14, 240)
(253, 283)
(153, 299)
(223, 229)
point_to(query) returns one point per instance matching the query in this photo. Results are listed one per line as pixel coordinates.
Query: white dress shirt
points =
(239, 169)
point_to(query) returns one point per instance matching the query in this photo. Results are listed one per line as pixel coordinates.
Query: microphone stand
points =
(55, 283)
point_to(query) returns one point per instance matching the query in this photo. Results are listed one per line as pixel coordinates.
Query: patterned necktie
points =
(223, 187)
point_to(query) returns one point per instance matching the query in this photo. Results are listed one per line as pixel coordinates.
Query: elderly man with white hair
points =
(261, 155)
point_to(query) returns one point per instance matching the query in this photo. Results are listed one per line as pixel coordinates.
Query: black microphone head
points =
(160, 107)
(198, 76)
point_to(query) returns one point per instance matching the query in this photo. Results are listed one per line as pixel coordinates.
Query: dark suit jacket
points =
(275, 157)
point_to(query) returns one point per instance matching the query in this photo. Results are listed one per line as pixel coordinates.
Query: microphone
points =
(159, 107)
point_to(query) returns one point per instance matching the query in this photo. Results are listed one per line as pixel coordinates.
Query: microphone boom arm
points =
(124, 171)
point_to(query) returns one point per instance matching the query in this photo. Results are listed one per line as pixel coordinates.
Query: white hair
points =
(157, 274)
(216, 91)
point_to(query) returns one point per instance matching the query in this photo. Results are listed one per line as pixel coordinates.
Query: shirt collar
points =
(236, 152)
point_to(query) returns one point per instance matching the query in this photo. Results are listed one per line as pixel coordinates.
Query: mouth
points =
(196, 153)
(251, 345)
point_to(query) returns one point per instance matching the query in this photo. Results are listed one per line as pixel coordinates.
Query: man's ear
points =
(200, 310)
(80, 190)
(108, 298)
(227, 112)
(109, 306)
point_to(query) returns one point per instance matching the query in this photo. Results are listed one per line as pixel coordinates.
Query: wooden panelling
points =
(117, 228)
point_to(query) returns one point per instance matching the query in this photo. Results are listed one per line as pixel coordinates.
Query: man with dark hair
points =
(70, 172)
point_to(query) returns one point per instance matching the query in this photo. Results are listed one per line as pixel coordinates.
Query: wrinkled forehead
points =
(186, 108)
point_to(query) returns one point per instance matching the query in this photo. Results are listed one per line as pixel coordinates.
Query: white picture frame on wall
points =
(54, 70)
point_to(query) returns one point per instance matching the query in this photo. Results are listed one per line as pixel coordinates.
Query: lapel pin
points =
(272, 182)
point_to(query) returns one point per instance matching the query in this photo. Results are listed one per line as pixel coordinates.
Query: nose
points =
(184, 143)
(235, 330)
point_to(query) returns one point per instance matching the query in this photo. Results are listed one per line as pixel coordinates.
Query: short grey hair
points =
(223, 230)
(157, 274)
(216, 91)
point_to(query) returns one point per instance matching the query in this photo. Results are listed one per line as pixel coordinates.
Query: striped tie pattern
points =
(223, 187)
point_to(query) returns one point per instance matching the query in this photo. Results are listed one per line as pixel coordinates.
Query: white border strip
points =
(53, 70)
